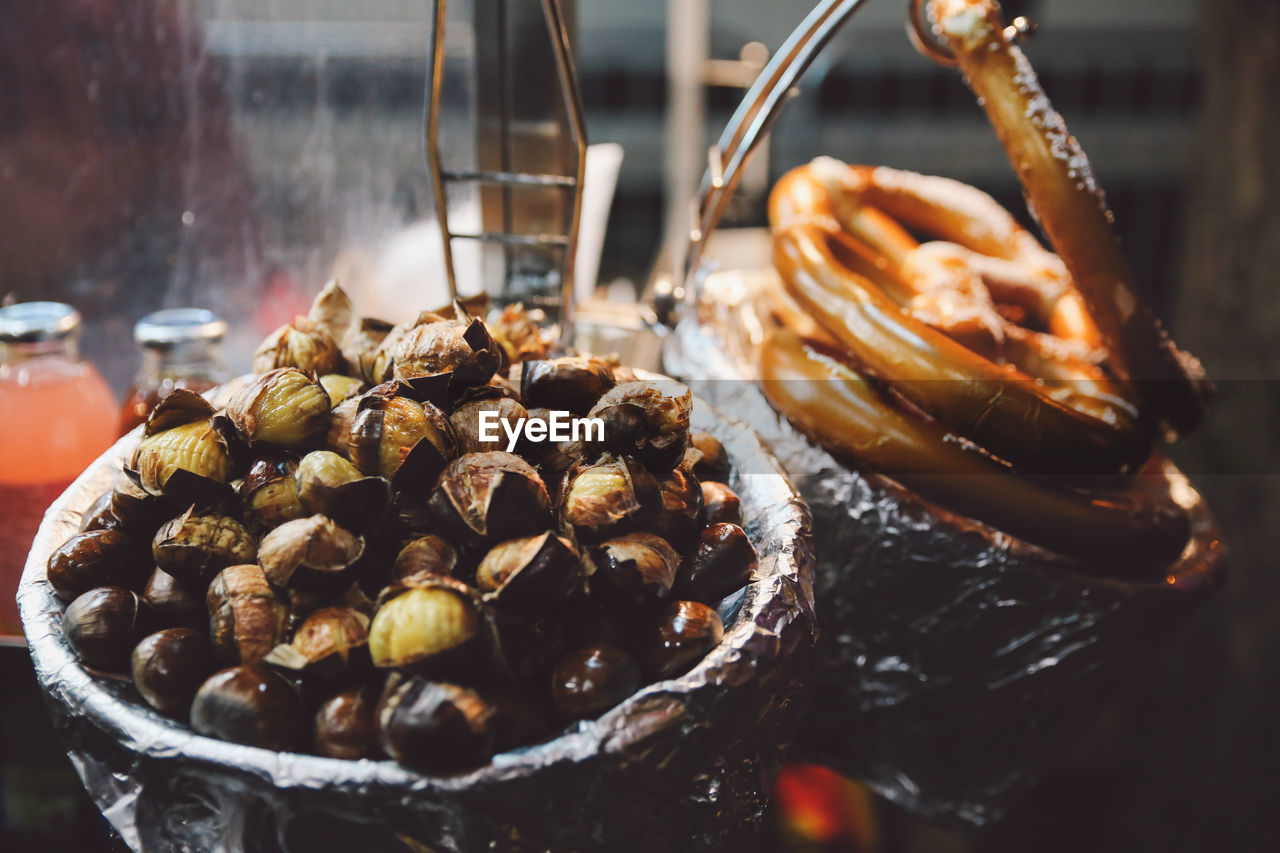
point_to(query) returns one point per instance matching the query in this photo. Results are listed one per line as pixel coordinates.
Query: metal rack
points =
(752, 121)
(498, 105)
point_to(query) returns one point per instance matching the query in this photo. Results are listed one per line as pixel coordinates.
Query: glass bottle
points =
(57, 415)
(180, 349)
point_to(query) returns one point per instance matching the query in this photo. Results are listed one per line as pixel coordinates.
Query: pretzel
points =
(1061, 190)
(972, 366)
(1066, 415)
(1132, 527)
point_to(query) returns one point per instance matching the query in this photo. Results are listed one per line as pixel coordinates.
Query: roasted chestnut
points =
(529, 642)
(571, 383)
(340, 387)
(169, 666)
(436, 727)
(102, 626)
(285, 407)
(534, 570)
(425, 556)
(398, 438)
(487, 424)
(713, 463)
(246, 619)
(678, 636)
(591, 679)
(338, 437)
(442, 359)
(360, 347)
(330, 485)
(720, 504)
(100, 516)
(382, 367)
(96, 558)
(490, 497)
(554, 458)
(310, 553)
(664, 436)
(186, 463)
(171, 604)
(608, 497)
(345, 725)
(195, 546)
(435, 627)
(633, 570)
(302, 603)
(520, 333)
(302, 344)
(680, 512)
(332, 310)
(140, 513)
(722, 561)
(270, 491)
(331, 642)
(251, 705)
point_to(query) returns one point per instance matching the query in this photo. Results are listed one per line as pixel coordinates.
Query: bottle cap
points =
(29, 322)
(173, 326)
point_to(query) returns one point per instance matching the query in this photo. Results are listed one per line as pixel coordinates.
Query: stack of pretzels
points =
(1013, 385)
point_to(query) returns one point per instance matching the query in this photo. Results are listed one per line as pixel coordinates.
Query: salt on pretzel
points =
(1061, 190)
(848, 264)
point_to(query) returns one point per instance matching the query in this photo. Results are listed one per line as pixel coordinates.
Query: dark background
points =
(290, 130)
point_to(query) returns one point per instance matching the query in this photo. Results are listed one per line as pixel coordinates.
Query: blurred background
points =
(234, 154)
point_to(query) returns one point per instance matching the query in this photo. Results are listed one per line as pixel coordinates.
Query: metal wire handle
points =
(759, 108)
(752, 120)
(566, 72)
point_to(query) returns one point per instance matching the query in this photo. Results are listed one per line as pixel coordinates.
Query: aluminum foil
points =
(955, 662)
(685, 763)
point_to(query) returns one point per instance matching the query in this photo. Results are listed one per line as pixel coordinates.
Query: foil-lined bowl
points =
(683, 763)
(956, 663)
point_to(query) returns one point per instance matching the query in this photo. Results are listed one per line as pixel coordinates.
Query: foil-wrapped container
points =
(686, 763)
(955, 663)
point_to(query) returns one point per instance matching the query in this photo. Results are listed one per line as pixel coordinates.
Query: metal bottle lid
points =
(174, 326)
(31, 322)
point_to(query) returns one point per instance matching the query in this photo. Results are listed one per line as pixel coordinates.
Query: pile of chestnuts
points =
(344, 561)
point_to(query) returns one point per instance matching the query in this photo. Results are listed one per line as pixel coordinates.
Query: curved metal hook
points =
(753, 118)
(921, 29)
(924, 38)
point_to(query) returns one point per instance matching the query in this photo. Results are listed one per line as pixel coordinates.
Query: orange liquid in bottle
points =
(56, 417)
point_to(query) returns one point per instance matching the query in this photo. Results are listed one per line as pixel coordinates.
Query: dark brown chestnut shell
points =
(533, 570)
(436, 727)
(251, 705)
(102, 626)
(677, 637)
(345, 726)
(571, 383)
(169, 666)
(490, 497)
(172, 604)
(722, 561)
(592, 679)
(633, 570)
(97, 558)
